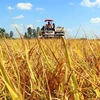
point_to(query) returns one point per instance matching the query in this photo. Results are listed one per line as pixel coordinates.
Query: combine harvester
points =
(50, 31)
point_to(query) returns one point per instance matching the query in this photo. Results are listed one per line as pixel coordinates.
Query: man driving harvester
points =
(50, 31)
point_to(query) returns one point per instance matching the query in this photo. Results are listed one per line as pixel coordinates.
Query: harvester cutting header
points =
(50, 31)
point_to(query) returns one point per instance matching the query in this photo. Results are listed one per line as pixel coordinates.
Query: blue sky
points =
(70, 14)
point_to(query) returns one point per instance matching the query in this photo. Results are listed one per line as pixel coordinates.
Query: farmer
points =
(49, 25)
(53, 26)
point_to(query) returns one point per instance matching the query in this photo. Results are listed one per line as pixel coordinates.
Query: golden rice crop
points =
(49, 69)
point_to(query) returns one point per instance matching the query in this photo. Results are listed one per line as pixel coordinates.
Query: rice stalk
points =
(74, 83)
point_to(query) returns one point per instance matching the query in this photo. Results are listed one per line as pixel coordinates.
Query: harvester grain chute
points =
(50, 31)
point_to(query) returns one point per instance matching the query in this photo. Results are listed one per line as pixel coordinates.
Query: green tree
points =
(2, 32)
(11, 34)
(38, 30)
(26, 35)
(30, 31)
(7, 35)
(35, 33)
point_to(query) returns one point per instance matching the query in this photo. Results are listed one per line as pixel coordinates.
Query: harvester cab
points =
(49, 30)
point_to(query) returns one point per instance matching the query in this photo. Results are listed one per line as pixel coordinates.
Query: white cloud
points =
(71, 3)
(38, 21)
(14, 25)
(19, 17)
(10, 8)
(19, 26)
(98, 3)
(39, 9)
(95, 20)
(88, 3)
(30, 25)
(24, 6)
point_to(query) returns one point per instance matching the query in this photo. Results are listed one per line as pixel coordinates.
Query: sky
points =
(73, 15)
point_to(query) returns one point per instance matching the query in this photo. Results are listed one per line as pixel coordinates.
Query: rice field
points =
(49, 69)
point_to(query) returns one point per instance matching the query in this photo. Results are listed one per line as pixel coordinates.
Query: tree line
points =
(31, 33)
(3, 33)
